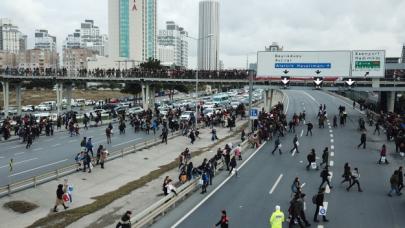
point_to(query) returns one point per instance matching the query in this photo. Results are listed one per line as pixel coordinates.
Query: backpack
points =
(314, 199)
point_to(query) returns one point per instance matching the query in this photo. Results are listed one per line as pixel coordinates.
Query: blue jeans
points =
(394, 189)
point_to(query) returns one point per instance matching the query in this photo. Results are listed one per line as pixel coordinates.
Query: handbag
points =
(313, 165)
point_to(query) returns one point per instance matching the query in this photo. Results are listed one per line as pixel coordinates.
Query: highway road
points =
(49, 153)
(265, 180)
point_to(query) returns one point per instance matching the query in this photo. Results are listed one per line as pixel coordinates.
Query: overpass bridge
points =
(235, 78)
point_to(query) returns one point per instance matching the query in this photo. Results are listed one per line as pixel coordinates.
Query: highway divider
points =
(148, 216)
(67, 170)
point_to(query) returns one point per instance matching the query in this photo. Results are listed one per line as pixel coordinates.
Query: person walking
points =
(295, 143)
(83, 142)
(319, 198)
(335, 121)
(277, 218)
(355, 180)
(394, 181)
(89, 147)
(59, 198)
(310, 126)
(295, 212)
(383, 155)
(86, 162)
(325, 156)
(311, 158)
(325, 177)
(98, 154)
(103, 157)
(233, 164)
(277, 145)
(400, 179)
(296, 186)
(363, 139)
(108, 133)
(347, 174)
(165, 132)
(223, 221)
(377, 128)
(29, 140)
(125, 221)
(192, 137)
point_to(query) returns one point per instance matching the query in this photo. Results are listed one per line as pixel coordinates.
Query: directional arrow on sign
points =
(285, 81)
(286, 72)
(350, 82)
(318, 81)
(318, 72)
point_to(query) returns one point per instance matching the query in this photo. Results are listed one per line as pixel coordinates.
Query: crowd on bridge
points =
(127, 73)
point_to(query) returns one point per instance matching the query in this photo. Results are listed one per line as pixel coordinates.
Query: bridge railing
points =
(133, 73)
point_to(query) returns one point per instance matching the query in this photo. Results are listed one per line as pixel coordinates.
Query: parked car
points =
(42, 108)
(27, 108)
(135, 110)
(186, 115)
(89, 102)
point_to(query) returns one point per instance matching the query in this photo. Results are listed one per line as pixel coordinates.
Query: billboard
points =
(303, 64)
(366, 63)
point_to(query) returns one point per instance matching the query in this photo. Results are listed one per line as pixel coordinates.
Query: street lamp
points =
(196, 76)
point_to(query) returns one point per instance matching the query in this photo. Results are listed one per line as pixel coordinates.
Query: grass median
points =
(65, 218)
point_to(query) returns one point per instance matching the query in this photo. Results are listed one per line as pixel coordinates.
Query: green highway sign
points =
(367, 64)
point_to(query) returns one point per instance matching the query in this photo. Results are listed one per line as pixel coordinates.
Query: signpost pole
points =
(250, 98)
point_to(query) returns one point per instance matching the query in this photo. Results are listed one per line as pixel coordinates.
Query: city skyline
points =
(312, 25)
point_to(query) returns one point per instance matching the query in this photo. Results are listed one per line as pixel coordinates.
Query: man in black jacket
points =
(125, 221)
(363, 140)
(324, 175)
(319, 202)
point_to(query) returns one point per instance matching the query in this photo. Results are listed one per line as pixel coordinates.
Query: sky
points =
(245, 26)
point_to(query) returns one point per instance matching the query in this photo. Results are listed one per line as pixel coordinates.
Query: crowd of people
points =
(127, 73)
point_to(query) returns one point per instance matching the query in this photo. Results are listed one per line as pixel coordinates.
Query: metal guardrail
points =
(56, 174)
(148, 216)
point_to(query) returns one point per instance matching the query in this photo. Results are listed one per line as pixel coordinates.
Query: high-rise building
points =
(208, 42)
(132, 29)
(403, 53)
(9, 36)
(38, 58)
(23, 42)
(43, 40)
(173, 45)
(88, 36)
(77, 58)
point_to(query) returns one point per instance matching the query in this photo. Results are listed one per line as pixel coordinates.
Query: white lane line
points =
(275, 184)
(332, 147)
(15, 147)
(330, 127)
(311, 97)
(16, 154)
(126, 142)
(293, 153)
(332, 154)
(331, 163)
(303, 184)
(320, 226)
(36, 149)
(331, 141)
(56, 145)
(325, 205)
(214, 191)
(20, 162)
(331, 135)
(39, 167)
(288, 103)
(302, 132)
(330, 131)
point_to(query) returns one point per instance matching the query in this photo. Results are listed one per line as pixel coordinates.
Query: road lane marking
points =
(331, 135)
(331, 163)
(36, 149)
(56, 145)
(330, 127)
(288, 103)
(303, 184)
(15, 147)
(275, 184)
(73, 140)
(293, 153)
(215, 190)
(311, 97)
(16, 154)
(302, 132)
(330, 131)
(39, 167)
(332, 147)
(332, 154)
(20, 162)
(126, 142)
(331, 141)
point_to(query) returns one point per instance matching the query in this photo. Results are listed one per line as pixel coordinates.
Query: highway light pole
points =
(196, 76)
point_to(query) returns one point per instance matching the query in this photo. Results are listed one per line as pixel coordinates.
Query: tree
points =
(151, 64)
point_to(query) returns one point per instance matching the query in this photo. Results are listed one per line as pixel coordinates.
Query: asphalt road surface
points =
(265, 181)
(49, 153)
